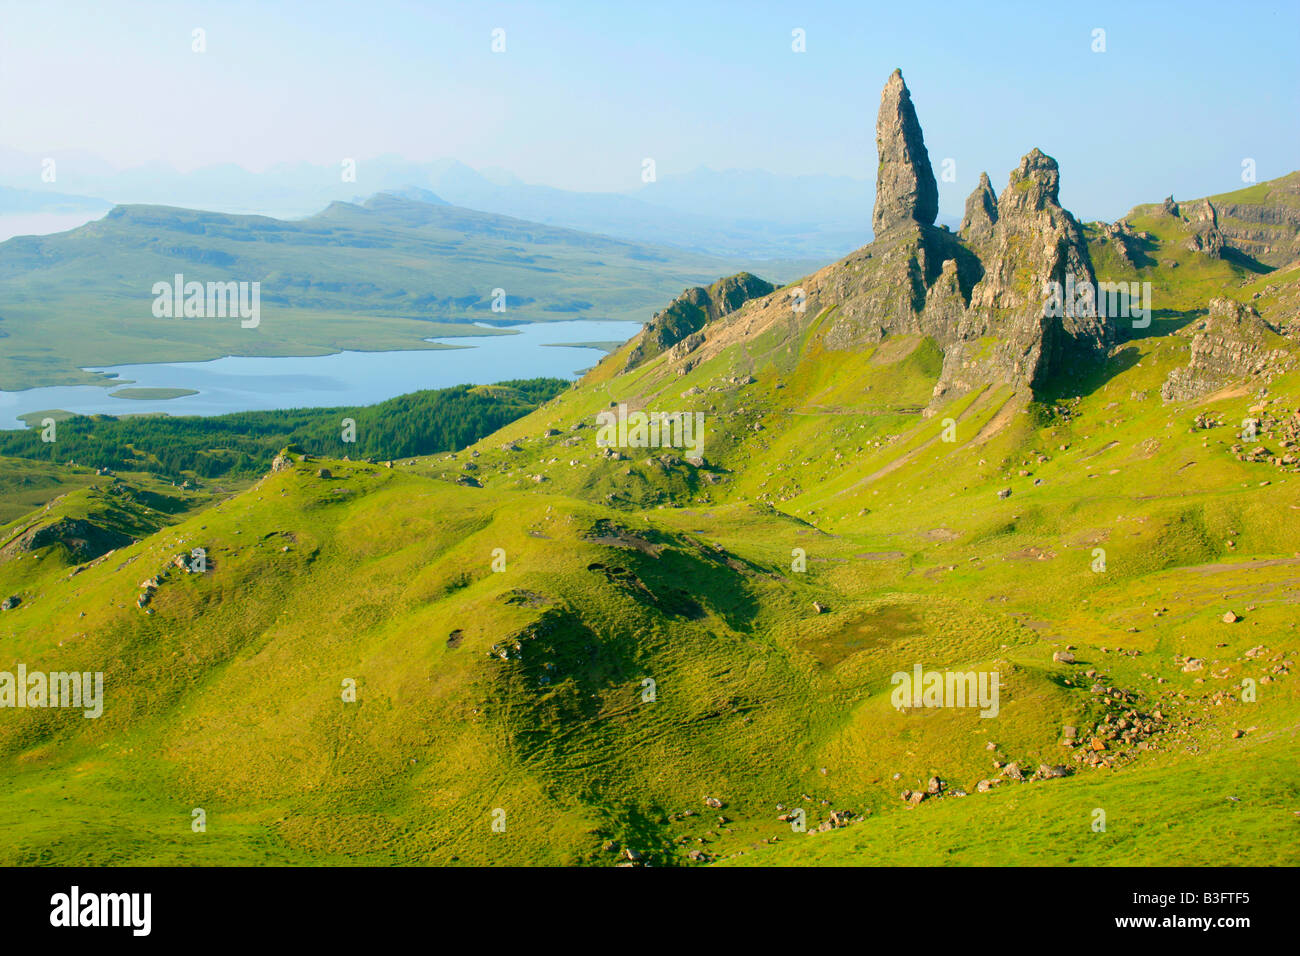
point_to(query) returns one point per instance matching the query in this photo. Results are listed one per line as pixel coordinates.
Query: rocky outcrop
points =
(1035, 243)
(691, 311)
(287, 459)
(981, 212)
(1230, 344)
(981, 296)
(729, 294)
(1127, 244)
(915, 280)
(906, 191)
(1206, 237)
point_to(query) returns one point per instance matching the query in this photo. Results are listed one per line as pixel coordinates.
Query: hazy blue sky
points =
(584, 91)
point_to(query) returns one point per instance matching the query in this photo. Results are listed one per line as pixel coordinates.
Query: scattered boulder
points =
(837, 819)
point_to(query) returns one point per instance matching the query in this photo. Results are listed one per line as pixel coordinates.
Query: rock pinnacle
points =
(906, 190)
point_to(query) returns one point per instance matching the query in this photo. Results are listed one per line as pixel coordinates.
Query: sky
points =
(1180, 96)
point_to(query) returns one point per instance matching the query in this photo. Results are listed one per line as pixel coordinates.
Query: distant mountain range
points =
(28, 212)
(742, 213)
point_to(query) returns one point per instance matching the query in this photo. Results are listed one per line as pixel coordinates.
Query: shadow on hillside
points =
(1163, 322)
(167, 504)
(1091, 379)
(638, 830)
(1140, 252)
(677, 577)
(1238, 258)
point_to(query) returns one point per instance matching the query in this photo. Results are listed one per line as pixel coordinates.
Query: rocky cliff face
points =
(1263, 221)
(686, 315)
(1260, 222)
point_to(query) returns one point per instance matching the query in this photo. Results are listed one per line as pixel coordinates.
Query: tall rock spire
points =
(906, 191)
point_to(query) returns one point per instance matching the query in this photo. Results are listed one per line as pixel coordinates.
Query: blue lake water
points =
(238, 384)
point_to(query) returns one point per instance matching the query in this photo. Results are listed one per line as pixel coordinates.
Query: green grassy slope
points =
(26, 485)
(228, 697)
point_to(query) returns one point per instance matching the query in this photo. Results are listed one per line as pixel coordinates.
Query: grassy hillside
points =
(229, 696)
(26, 485)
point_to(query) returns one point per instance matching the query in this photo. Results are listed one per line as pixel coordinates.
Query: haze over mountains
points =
(736, 213)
